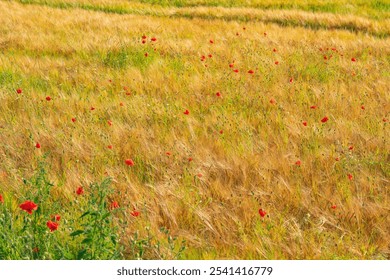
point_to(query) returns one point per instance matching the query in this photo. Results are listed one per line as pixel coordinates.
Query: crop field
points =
(194, 129)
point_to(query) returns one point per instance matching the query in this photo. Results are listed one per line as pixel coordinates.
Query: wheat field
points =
(239, 129)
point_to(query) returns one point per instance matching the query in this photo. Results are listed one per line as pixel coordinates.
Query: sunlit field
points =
(194, 129)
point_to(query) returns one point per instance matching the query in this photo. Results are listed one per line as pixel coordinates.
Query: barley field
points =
(194, 129)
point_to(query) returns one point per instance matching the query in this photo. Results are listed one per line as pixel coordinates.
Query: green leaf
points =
(77, 232)
(81, 254)
(86, 241)
(85, 214)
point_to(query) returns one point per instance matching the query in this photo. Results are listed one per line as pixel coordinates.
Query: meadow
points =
(194, 129)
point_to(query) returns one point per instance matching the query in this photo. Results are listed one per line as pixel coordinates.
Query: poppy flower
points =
(109, 147)
(384, 120)
(135, 213)
(325, 57)
(93, 108)
(251, 71)
(265, 33)
(291, 80)
(186, 112)
(143, 41)
(313, 107)
(298, 162)
(353, 59)
(48, 98)
(362, 107)
(210, 55)
(154, 39)
(52, 225)
(199, 175)
(274, 50)
(262, 213)
(276, 62)
(304, 123)
(28, 206)
(35, 249)
(146, 54)
(350, 177)
(1, 199)
(73, 119)
(350, 148)
(272, 101)
(211, 41)
(168, 153)
(218, 94)
(333, 206)
(56, 217)
(121, 104)
(337, 159)
(129, 162)
(114, 205)
(324, 119)
(203, 58)
(109, 123)
(231, 65)
(144, 37)
(189, 159)
(221, 131)
(235, 70)
(79, 191)
(37, 145)
(19, 91)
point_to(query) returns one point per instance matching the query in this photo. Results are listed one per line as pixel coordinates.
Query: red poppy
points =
(353, 59)
(313, 107)
(324, 119)
(28, 206)
(146, 54)
(211, 41)
(221, 131)
(350, 177)
(325, 57)
(37, 145)
(203, 58)
(262, 213)
(265, 33)
(52, 225)
(168, 153)
(56, 217)
(135, 213)
(129, 162)
(235, 70)
(350, 148)
(337, 159)
(92, 108)
(231, 65)
(79, 191)
(186, 112)
(384, 120)
(274, 50)
(199, 175)
(121, 104)
(110, 147)
(210, 55)
(218, 94)
(1, 199)
(333, 206)
(362, 107)
(304, 123)
(114, 205)
(154, 39)
(144, 37)
(48, 98)
(109, 123)
(272, 101)
(298, 162)
(19, 91)
(143, 41)
(291, 80)
(189, 159)
(251, 71)
(276, 62)
(35, 250)
(73, 119)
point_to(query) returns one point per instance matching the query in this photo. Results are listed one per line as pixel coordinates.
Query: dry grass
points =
(71, 54)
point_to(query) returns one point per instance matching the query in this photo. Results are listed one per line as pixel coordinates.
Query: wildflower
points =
(28, 206)
(19, 91)
(333, 206)
(37, 145)
(114, 205)
(129, 162)
(52, 225)
(135, 213)
(298, 162)
(353, 59)
(211, 41)
(189, 159)
(291, 80)
(48, 98)
(109, 147)
(144, 37)
(276, 62)
(262, 213)
(1, 199)
(79, 191)
(235, 70)
(146, 54)
(251, 71)
(218, 94)
(56, 217)
(272, 101)
(92, 108)
(210, 55)
(231, 65)
(186, 112)
(350, 177)
(313, 107)
(109, 123)
(154, 39)
(168, 153)
(324, 119)
(304, 123)
(350, 148)
(73, 119)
